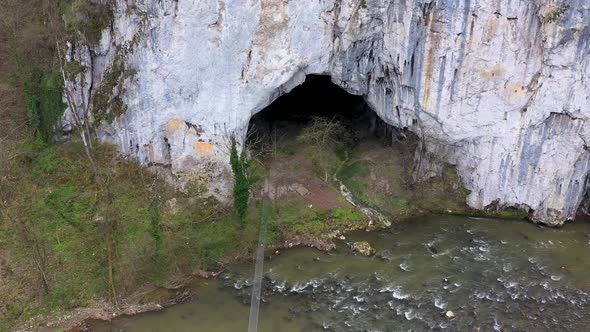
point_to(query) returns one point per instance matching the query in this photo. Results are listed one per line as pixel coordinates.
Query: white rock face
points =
(500, 88)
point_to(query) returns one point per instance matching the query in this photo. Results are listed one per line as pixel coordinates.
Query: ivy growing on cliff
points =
(242, 184)
(42, 91)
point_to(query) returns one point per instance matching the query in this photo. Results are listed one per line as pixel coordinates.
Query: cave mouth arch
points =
(316, 97)
(373, 159)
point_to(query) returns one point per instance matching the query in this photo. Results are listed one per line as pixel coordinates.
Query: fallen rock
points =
(450, 314)
(302, 191)
(363, 248)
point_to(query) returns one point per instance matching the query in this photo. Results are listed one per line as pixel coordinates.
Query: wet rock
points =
(405, 267)
(363, 248)
(432, 249)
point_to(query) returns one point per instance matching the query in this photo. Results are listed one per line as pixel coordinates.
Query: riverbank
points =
(54, 242)
(186, 288)
(165, 235)
(492, 274)
(151, 298)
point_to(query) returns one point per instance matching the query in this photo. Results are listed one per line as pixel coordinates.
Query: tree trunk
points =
(109, 242)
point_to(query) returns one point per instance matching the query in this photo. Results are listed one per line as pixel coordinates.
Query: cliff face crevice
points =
(500, 89)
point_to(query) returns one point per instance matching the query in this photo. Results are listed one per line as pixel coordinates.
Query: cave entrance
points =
(317, 98)
(315, 140)
(317, 135)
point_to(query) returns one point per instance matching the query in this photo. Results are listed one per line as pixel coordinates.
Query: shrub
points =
(42, 90)
(43, 99)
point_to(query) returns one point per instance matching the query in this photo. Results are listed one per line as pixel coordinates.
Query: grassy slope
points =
(380, 176)
(50, 223)
(51, 219)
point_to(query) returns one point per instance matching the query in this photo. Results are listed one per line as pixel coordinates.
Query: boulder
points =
(363, 248)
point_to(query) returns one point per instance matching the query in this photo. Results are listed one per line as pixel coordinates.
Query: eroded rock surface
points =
(501, 89)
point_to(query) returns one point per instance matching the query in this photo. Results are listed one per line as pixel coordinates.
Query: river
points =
(492, 274)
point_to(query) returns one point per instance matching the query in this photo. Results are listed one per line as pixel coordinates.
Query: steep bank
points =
(496, 89)
(53, 250)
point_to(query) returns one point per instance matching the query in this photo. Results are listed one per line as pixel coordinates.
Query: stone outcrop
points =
(501, 88)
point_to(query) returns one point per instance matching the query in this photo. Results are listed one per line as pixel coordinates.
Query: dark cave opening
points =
(319, 97)
(372, 160)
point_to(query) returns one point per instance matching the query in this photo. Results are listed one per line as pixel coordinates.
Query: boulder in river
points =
(363, 248)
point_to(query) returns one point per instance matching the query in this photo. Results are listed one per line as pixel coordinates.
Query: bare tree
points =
(81, 116)
(323, 134)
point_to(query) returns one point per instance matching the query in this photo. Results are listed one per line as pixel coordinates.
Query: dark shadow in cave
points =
(319, 97)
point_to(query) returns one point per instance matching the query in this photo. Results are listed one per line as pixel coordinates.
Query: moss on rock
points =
(108, 101)
(363, 248)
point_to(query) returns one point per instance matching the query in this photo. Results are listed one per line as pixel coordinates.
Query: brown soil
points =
(297, 169)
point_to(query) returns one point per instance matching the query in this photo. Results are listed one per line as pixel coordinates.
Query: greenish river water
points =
(493, 274)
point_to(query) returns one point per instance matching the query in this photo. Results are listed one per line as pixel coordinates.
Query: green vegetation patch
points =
(89, 18)
(53, 228)
(354, 176)
(73, 69)
(42, 90)
(289, 220)
(108, 102)
(555, 14)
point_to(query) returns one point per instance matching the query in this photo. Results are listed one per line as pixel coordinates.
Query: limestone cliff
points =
(499, 88)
